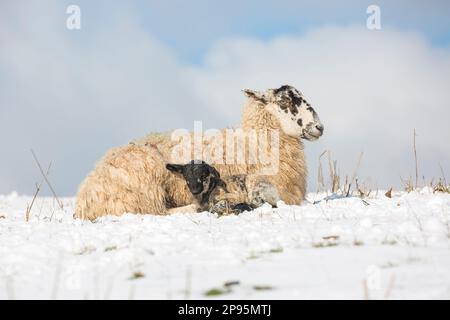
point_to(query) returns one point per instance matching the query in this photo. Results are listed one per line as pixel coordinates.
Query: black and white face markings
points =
(295, 113)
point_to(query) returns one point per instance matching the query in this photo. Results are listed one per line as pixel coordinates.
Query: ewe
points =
(133, 178)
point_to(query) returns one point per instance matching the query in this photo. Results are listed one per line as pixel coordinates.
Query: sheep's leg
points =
(185, 209)
(230, 197)
(241, 207)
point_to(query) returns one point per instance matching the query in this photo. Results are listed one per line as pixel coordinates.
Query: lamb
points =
(202, 181)
(133, 178)
(211, 193)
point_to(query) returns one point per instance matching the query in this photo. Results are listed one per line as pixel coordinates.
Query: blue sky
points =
(192, 27)
(142, 66)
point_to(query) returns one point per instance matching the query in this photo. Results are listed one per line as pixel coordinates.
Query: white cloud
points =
(71, 96)
(371, 89)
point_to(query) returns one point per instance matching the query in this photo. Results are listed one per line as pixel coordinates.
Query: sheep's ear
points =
(258, 96)
(214, 172)
(175, 168)
(216, 175)
(222, 185)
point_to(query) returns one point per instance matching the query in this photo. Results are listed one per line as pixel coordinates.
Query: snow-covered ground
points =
(346, 248)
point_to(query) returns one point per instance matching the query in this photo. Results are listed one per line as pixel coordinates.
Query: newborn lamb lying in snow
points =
(231, 195)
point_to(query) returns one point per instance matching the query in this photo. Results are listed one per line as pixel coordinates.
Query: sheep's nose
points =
(320, 128)
(196, 190)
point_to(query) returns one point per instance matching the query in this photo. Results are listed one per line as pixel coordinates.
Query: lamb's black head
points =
(201, 178)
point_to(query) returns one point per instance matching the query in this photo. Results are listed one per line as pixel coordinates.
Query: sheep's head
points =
(201, 179)
(296, 116)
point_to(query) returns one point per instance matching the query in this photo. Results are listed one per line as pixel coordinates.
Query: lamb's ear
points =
(216, 176)
(222, 185)
(175, 168)
(258, 96)
(214, 172)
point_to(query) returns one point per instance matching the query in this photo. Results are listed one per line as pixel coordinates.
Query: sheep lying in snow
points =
(232, 194)
(133, 178)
